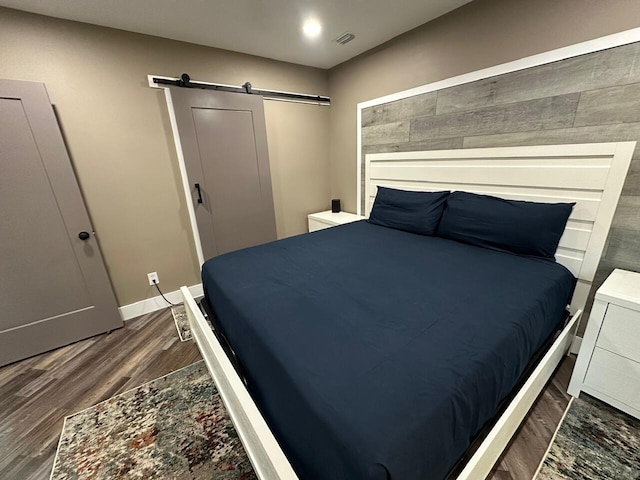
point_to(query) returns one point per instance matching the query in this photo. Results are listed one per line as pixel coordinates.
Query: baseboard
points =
(575, 345)
(133, 310)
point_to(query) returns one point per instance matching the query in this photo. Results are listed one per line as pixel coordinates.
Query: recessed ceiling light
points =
(312, 28)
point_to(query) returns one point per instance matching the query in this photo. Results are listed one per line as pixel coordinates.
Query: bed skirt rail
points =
(266, 456)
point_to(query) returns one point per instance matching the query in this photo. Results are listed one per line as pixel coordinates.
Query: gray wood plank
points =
(436, 144)
(541, 114)
(404, 109)
(623, 249)
(592, 134)
(468, 96)
(609, 105)
(396, 132)
(632, 182)
(618, 65)
(500, 475)
(627, 215)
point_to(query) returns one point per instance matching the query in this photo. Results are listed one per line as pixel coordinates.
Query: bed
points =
(371, 352)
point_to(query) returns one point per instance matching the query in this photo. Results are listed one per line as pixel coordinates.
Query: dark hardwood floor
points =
(36, 394)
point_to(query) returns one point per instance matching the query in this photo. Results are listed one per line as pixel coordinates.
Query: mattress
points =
(374, 353)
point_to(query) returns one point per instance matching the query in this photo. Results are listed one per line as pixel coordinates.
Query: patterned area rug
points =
(182, 322)
(593, 441)
(174, 427)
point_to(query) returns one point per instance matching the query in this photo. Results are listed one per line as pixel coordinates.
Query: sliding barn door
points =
(224, 144)
(54, 287)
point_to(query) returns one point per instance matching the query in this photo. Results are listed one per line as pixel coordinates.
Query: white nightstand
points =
(608, 366)
(320, 220)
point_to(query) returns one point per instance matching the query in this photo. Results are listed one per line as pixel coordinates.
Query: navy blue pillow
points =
(415, 212)
(525, 228)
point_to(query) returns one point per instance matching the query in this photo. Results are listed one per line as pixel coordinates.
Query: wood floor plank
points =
(502, 475)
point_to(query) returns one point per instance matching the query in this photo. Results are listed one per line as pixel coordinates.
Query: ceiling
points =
(268, 28)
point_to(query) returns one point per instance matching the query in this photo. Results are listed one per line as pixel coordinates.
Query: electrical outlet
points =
(153, 278)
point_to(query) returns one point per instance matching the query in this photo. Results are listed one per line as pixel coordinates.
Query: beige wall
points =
(120, 140)
(480, 34)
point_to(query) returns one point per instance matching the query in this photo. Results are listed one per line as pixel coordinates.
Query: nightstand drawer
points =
(615, 376)
(620, 332)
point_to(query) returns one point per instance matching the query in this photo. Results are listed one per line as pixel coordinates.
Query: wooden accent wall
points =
(585, 99)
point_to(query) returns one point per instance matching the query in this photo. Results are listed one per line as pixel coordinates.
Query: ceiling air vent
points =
(345, 38)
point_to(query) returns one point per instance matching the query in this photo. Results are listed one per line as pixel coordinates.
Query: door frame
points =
(186, 189)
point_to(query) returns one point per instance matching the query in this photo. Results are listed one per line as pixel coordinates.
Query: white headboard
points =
(592, 175)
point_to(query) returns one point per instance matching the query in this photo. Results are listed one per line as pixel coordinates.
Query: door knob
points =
(84, 235)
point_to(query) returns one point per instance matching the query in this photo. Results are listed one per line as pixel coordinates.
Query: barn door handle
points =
(197, 185)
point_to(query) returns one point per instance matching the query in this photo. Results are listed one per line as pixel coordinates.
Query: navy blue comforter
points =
(379, 354)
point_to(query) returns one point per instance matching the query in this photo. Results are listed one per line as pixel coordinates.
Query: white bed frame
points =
(592, 175)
